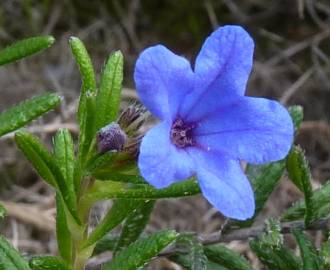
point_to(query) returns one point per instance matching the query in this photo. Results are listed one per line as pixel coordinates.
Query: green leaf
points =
(108, 97)
(109, 190)
(10, 259)
(310, 257)
(45, 164)
(119, 177)
(197, 258)
(226, 257)
(297, 115)
(184, 260)
(279, 258)
(118, 212)
(65, 159)
(299, 173)
(24, 48)
(135, 224)
(87, 130)
(264, 179)
(3, 211)
(107, 243)
(85, 65)
(325, 253)
(64, 237)
(47, 263)
(86, 107)
(320, 202)
(271, 251)
(142, 251)
(26, 111)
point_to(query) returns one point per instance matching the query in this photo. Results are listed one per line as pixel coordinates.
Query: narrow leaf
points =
(26, 111)
(320, 202)
(226, 257)
(108, 97)
(299, 173)
(118, 212)
(109, 190)
(45, 164)
(47, 263)
(279, 258)
(24, 48)
(64, 237)
(86, 72)
(297, 115)
(197, 258)
(135, 224)
(310, 257)
(142, 251)
(184, 260)
(107, 243)
(65, 159)
(10, 259)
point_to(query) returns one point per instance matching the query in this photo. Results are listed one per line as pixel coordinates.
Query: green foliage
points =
(271, 251)
(24, 48)
(47, 263)
(110, 190)
(108, 97)
(64, 238)
(86, 108)
(10, 259)
(310, 256)
(299, 173)
(297, 115)
(26, 111)
(118, 212)
(46, 165)
(142, 251)
(320, 201)
(264, 179)
(226, 257)
(135, 224)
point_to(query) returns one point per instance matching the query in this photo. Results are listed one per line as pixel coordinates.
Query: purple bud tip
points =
(111, 137)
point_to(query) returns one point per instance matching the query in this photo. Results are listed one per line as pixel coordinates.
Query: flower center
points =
(181, 133)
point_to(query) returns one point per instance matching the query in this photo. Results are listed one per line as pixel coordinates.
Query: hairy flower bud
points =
(111, 137)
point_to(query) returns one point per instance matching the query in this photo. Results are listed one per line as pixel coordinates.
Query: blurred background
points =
(292, 65)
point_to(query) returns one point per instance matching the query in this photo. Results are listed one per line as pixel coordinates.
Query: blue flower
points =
(207, 124)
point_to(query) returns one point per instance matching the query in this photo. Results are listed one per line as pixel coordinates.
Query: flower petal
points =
(160, 162)
(224, 184)
(223, 67)
(257, 130)
(162, 79)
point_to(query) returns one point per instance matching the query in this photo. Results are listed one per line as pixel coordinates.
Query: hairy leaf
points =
(135, 224)
(26, 111)
(47, 263)
(10, 259)
(142, 251)
(226, 257)
(118, 212)
(24, 48)
(64, 237)
(299, 173)
(310, 257)
(108, 97)
(45, 164)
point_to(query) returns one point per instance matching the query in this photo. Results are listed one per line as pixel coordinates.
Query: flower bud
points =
(111, 137)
